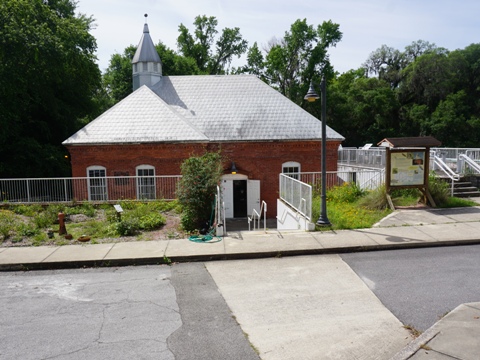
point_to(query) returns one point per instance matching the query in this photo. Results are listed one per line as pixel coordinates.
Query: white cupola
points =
(146, 64)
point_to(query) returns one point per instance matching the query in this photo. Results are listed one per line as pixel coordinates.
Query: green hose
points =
(208, 237)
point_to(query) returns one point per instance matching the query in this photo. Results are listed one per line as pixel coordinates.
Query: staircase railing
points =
(474, 166)
(257, 216)
(438, 162)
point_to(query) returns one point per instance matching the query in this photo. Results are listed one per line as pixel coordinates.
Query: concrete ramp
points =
(309, 307)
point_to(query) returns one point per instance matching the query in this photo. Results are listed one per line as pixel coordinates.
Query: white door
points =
(227, 193)
(253, 196)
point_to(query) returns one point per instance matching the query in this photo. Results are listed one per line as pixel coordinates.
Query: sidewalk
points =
(401, 229)
(454, 337)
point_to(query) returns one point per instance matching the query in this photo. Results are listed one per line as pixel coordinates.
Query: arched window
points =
(292, 168)
(146, 182)
(97, 183)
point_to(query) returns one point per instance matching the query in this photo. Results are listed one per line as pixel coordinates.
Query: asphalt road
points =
(147, 312)
(308, 307)
(419, 286)
(107, 313)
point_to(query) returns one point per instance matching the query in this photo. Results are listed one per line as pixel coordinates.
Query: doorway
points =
(240, 195)
(239, 198)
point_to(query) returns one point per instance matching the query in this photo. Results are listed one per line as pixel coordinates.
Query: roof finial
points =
(146, 16)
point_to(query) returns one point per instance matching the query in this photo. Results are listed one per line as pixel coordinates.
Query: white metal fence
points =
(107, 188)
(364, 178)
(296, 189)
(372, 157)
(296, 193)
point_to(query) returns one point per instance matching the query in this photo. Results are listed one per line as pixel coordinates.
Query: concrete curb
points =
(166, 260)
(440, 330)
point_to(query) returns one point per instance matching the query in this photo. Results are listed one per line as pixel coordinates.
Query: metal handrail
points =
(470, 162)
(256, 215)
(446, 169)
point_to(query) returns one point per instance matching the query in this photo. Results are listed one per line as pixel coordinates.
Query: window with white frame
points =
(292, 168)
(146, 182)
(97, 183)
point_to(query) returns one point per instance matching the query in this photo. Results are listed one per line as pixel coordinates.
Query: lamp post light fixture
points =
(311, 97)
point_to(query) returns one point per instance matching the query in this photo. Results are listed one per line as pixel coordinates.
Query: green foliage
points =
(346, 193)
(152, 221)
(139, 216)
(127, 227)
(362, 109)
(199, 46)
(6, 223)
(292, 62)
(118, 76)
(439, 190)
(375, 199)
(197, 188)
(458, 202)
(43, 220)
(406, 197)
(27, 210)
(144, 217)
(26, 229)
(47, 77)
(344, 209)
(86, 209)
(32, 221)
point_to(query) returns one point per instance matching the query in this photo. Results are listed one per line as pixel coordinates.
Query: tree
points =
(199, 46)
(296, 59)
(363, 109)
(118, 76)
(48, 77)
(255, 63)
(389, 64)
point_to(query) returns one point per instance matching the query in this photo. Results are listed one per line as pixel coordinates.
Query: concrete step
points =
(467, 194)
(465, 189)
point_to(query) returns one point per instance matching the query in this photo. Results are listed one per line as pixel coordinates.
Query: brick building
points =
(170, 118)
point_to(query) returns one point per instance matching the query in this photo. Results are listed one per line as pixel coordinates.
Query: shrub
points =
(152, 221)
(26, 229)
(127, 227)
(439, 190)
(6, 223)
(375, 199)
(348, 192)
(43, 220)
(86, 209)
(197, 188)
(27, 210)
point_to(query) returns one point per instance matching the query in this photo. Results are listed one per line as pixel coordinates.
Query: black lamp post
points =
(311, 97)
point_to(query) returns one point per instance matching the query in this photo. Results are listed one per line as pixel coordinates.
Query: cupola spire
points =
(146, 64)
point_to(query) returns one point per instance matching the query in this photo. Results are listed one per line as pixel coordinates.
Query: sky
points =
(366, 24)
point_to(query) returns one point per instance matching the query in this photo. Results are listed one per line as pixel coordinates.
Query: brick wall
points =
(258, 160)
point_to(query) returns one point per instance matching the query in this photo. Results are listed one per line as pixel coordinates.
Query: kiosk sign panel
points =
(407, 168)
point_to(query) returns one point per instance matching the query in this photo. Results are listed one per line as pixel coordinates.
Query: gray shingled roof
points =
(203, 108)
(146, 51)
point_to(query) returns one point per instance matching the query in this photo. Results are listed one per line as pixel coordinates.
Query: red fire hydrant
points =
(61, 221)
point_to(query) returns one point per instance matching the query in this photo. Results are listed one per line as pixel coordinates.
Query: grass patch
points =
(452, 202)
(348, 207)
(345, 209)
